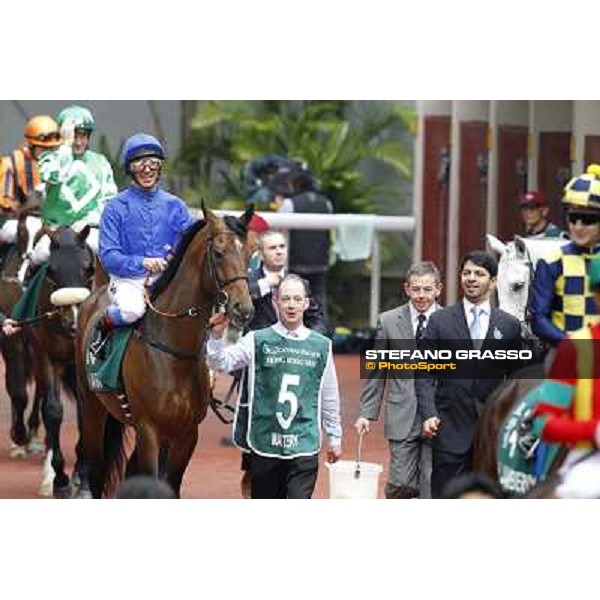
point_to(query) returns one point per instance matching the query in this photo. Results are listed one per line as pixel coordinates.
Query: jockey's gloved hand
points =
(67, 132)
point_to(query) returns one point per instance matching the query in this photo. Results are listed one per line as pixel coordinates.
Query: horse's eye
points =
(218, 254)
(518, 286)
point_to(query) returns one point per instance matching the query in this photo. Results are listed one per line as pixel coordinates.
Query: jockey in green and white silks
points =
(78, 181)
(292, 390)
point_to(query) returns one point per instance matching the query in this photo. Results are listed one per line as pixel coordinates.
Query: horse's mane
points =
(234, 224)
(186, 239)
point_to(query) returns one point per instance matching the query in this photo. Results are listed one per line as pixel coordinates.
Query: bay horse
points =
(164, 373)
(70, 266)
(16, 350)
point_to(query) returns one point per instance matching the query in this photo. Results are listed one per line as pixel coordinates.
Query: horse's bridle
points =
(222, 298)
(55, 311)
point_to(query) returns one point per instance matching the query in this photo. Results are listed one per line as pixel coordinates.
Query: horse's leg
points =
(69, 381)
(53, 418)
(16, 386)
(180, 454)
(163, 460)
(163, 456)
(92, 472)
(42, 390)
(147, 449)
(35, 445)
(131, 468)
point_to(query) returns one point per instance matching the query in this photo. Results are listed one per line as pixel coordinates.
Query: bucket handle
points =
(357, 469)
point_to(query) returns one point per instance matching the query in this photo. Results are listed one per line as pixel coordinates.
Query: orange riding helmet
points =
(42, 130)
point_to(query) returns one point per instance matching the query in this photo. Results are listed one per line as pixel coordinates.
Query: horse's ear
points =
(496, 245)
(206, 212)
(248, 214)
(51, 233)
(520, 245)
(82, 233)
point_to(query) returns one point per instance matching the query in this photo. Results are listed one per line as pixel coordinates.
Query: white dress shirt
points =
(485, 310)
(414, 315)
(263, 284)
(236, 356)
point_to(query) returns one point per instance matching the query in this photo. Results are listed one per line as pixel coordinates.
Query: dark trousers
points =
(446, 466)
(277, 478)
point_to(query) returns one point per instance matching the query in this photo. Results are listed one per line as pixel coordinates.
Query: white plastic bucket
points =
(344, 485)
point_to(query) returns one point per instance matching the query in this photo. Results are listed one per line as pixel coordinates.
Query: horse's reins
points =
(33, 320)
(192, 311)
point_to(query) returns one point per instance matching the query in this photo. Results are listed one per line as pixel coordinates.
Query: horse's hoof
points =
(84, 495)
(62, 493)
(75, 479)
(36, 448)
(45, 489)
(17, 452)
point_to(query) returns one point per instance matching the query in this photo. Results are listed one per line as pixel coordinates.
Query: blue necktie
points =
(475, 328)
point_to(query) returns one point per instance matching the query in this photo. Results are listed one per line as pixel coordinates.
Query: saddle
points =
(103, 357)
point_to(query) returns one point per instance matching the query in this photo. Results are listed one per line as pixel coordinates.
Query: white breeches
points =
(128, 296)
(41, 251)
(580, 480)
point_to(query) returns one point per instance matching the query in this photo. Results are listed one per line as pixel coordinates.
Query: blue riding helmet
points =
(139, 145)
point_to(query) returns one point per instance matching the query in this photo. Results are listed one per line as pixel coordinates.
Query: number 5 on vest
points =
(286, 395)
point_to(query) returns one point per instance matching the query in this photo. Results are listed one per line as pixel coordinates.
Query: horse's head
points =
(70, 269)
(227, 254)
(515, 270)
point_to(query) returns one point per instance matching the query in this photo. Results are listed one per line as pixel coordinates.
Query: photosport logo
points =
(450, 358)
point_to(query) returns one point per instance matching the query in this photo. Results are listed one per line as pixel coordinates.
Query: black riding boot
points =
(103, 328)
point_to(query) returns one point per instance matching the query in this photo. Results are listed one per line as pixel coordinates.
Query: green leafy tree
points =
(337, 139)
(360, 152)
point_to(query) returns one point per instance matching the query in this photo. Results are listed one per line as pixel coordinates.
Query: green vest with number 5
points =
(285, 400)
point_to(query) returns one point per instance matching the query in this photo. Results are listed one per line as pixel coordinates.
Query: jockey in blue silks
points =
(139, 228)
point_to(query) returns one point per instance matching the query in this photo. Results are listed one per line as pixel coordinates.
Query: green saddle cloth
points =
(104, 368)
(523, 459)
(27, 305)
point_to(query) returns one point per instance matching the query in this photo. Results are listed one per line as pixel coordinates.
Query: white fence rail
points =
(313, 221)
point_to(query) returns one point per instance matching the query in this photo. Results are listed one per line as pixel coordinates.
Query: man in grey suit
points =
(410, 453)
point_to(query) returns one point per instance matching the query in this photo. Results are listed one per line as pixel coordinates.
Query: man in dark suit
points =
(410, 453)
(450, 406)
(273, 254)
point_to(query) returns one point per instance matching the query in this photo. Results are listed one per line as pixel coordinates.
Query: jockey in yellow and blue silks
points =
(139, 228)
(561, 300)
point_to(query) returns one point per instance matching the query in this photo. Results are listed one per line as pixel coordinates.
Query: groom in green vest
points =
(293, 391)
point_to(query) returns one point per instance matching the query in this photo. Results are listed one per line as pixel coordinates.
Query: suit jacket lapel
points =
(404, 324)
(462, 327)
(492, 325)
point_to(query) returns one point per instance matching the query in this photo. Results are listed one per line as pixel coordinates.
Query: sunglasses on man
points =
(585, 218)
(150, 163)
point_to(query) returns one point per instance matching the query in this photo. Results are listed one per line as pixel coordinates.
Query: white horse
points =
(516, 266)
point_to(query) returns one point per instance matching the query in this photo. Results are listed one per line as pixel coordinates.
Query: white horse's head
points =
(516, 265)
